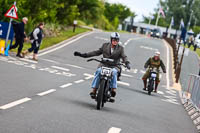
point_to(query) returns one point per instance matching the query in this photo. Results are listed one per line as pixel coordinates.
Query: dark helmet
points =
(114, 35)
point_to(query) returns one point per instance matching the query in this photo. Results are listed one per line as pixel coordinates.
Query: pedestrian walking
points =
(36, 40)
(20, 36)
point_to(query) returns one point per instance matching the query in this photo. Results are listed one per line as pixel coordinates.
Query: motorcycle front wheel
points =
(100, 95)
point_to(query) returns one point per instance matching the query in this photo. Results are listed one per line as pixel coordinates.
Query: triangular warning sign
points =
(12, 13)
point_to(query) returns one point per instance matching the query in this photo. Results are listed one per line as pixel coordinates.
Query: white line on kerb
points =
(167, 74)
(123, 83)
(66, 85)
(79, 81)
(61, 46)
(46, 92)
(114, 130)
(60, 68)
(15, 103)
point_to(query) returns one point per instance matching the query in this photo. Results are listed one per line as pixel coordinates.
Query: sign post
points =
(12, 14)
(74, 25)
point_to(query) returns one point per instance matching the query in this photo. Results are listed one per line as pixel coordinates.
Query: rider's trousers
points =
(96, 80)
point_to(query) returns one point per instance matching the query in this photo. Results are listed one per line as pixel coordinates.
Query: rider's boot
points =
(93, 93)
(156, 86)
(145, 84)
(113, 92)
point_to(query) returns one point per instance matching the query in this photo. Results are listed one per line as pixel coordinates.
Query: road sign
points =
(4, 29)
(12, 13)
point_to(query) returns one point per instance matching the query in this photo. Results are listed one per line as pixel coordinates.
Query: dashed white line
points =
(114, 130)
(46, 92)
(60, 68)
(89, 76)
(74, 66)
(79, 81)
(66, 85)
(123, 83)
(15, 103)
(126, 75)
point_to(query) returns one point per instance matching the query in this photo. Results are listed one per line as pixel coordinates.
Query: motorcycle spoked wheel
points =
(100, 102)
(150, 86)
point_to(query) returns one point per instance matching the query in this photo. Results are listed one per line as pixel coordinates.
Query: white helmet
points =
(157, 53)
(114, 35)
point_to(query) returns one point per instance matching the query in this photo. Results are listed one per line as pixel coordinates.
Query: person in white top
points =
(36, 40)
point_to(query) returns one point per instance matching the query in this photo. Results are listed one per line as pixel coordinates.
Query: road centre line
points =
(74, 66)
(114, 130)
(60, 68)
(79, 81)
(46, 92)
(126, 75)
(66, 85)
(15, 103)
(65, 44)
(123, 83)
(89, 76)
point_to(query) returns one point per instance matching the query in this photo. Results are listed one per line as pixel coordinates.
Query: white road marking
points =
(50, 61)
(160, 92)
(60, 68)
(89, 76)
(56, 47)
(149, 48)
(114, 130)
(28, 60)
(46, 92)
(74, 66)
(15, 103)
(66, 85)
(79, 81)
(171, 93)
(106, 39)
(126, 75)
(142, 71)
(131, 40)
(123, 83)
(173, 101)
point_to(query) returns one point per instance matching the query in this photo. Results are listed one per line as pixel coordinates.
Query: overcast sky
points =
(140, 7)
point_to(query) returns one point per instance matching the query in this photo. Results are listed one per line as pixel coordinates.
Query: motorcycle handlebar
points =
(104, 60)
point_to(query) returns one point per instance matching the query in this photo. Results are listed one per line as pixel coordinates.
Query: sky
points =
(140, 7)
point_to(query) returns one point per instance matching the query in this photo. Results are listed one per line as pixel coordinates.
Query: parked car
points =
(156, 33)
(197, 40)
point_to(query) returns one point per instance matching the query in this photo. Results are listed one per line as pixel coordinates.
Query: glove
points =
(79, 54)
(128, 65)
(164, 71)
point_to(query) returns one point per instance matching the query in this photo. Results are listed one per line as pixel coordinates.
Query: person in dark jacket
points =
(20, 36)
(36, 40)
(111, 50)
(153, 62)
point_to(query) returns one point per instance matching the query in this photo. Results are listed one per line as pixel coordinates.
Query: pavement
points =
(52, 95)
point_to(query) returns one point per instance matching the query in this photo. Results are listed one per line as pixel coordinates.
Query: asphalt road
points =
(52, 95)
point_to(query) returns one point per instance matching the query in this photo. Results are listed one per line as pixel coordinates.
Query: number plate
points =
(106, 71)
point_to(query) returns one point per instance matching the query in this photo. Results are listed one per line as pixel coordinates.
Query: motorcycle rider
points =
(153, 62)
(110, 50)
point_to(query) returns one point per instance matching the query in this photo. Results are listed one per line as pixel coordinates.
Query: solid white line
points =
(74, 66)
(50, 61)
(79, 81)
(126, 75)
(66, 85)
(15, 103)
(61, 46)
(123, 83)
(167, 74)
(28, 60)
(114, 130)
(60, 68)
(46, 92)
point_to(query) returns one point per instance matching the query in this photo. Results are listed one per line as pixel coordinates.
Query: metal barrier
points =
(191, 99)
